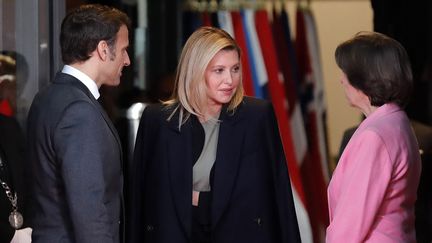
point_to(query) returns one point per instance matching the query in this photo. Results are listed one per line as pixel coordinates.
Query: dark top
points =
(12, 152)
(201, 219)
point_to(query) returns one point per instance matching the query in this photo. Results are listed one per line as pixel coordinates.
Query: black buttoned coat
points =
(251, 192)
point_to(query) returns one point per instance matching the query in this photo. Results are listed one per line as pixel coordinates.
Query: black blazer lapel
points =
(231, 136)
(110, 124)
(180, 170)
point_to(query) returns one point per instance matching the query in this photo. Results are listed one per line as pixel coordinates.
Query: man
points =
(74, 150)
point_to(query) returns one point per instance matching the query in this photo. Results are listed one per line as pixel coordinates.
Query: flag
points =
(192, 20)
(280, 103)
(313, 175)
(225, 21)
(206, 19)
(319, 101)
(239, 35)
(283, 44)
(259, 72)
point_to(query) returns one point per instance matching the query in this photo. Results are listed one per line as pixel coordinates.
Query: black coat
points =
(251, 194)
(12, 152)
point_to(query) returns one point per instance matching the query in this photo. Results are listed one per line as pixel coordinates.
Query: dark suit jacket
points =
(251, 194)
(75, 160)
(12, 152)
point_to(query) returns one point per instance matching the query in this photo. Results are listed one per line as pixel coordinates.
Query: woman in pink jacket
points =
(373, 189)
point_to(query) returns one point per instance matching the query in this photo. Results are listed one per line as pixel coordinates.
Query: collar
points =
(379, 112)
(83, 78)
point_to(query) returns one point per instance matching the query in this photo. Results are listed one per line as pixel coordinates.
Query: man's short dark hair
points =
(84, 27)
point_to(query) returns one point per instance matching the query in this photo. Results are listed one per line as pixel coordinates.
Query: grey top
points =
(202, 168)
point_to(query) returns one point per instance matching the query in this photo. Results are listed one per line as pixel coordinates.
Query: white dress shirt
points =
(86, 80)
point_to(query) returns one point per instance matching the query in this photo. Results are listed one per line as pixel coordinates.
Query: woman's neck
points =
(212, 112)
(368, 109)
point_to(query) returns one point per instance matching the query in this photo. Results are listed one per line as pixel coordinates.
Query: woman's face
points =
(222, 76)
(356, 98)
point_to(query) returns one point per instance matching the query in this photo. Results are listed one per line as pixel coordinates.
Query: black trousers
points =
(201, 226)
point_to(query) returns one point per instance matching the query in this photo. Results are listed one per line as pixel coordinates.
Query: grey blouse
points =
(204, 164)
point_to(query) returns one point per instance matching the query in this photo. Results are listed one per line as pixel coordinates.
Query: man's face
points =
(117, 58)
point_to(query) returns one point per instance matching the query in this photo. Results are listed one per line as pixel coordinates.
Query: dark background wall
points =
(410, 22)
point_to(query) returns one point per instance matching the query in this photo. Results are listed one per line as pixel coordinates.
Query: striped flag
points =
(225, 21)
(239, 35)
(313, 173)
(259, 72)
(283, 43)
(319, 100)
(280, 103)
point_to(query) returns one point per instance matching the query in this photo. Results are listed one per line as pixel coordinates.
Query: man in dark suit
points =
(74, 150)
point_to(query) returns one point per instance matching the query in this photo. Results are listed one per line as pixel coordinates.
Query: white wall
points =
(337, 21)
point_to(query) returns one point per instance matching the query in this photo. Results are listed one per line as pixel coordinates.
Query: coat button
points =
(258, 221)
(149, 228)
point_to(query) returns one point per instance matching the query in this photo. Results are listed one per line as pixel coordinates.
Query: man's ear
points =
(102, 50)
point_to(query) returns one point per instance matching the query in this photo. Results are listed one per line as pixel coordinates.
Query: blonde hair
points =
(189, 94)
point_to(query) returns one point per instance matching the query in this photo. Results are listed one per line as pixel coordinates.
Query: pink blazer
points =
(374, 187)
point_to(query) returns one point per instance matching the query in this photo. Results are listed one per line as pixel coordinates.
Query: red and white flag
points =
(280, 103)
(240, 38)
(314, 170)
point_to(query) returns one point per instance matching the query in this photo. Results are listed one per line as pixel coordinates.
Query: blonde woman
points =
(209, 164)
